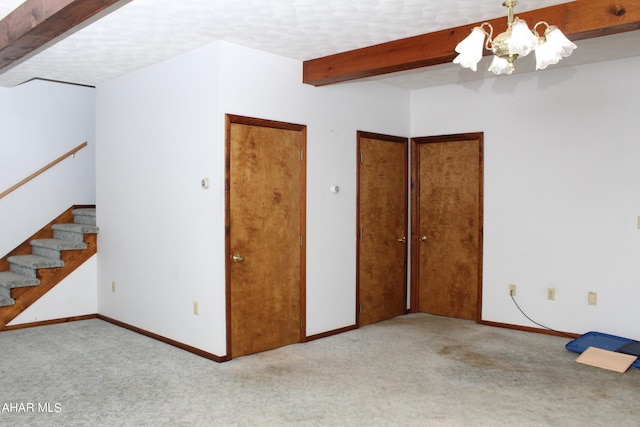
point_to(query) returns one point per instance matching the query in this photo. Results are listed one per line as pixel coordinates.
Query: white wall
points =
(561, 190)
(159, 230)
(161, 130)
(39, 122)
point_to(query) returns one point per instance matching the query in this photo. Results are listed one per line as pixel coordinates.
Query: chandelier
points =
(517, 41)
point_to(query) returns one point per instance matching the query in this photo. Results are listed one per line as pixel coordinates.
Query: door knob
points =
(423, 238)
(237, 258)
(403, 240)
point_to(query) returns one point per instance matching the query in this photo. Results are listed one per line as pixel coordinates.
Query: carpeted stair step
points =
(73, 232)
(28, 264)
(84, 216)
(10, 280)
(51, 248)
(45, 253)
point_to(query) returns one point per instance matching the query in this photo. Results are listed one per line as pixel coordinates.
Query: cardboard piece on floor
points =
(606, 359)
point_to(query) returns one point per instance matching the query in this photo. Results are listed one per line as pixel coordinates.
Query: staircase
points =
(44, 260)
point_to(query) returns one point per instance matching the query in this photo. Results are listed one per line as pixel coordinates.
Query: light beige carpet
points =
(415, 370)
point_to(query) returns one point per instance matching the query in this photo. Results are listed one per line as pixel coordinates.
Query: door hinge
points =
(301, 155)
(361, 158)
(301, 241)
(360, 234)
(360, 308)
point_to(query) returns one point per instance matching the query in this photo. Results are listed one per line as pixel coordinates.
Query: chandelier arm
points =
(489, 34)
(535, 28)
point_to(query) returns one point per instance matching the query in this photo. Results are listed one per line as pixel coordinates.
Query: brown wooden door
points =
(382, 227)
(447, 225)
(265, 234)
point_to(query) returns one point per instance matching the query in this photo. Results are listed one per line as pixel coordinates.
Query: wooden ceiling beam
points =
(35, 23)
(578, 20)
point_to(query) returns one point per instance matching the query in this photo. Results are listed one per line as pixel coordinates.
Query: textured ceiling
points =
(144, 32)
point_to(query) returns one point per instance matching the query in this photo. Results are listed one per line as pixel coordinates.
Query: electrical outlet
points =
(113, 286)
(512, 290)
(551, 294)
(592, 298)
(196, 308)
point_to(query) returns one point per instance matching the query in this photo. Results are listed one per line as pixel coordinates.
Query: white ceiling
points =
(144, 32)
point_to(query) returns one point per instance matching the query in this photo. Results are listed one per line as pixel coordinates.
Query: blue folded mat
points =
(605, 342)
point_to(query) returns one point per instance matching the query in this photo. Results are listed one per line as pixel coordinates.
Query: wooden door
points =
(265, 234)
(382, 227)
(447, 225)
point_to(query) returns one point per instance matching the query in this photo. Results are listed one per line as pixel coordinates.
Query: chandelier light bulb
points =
(501, 66)
(552, 48)
(559, 41)
(546, 54)
(522, 40)
(470, 49)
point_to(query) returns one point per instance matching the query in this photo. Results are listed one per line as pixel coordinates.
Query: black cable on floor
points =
(539, 324)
